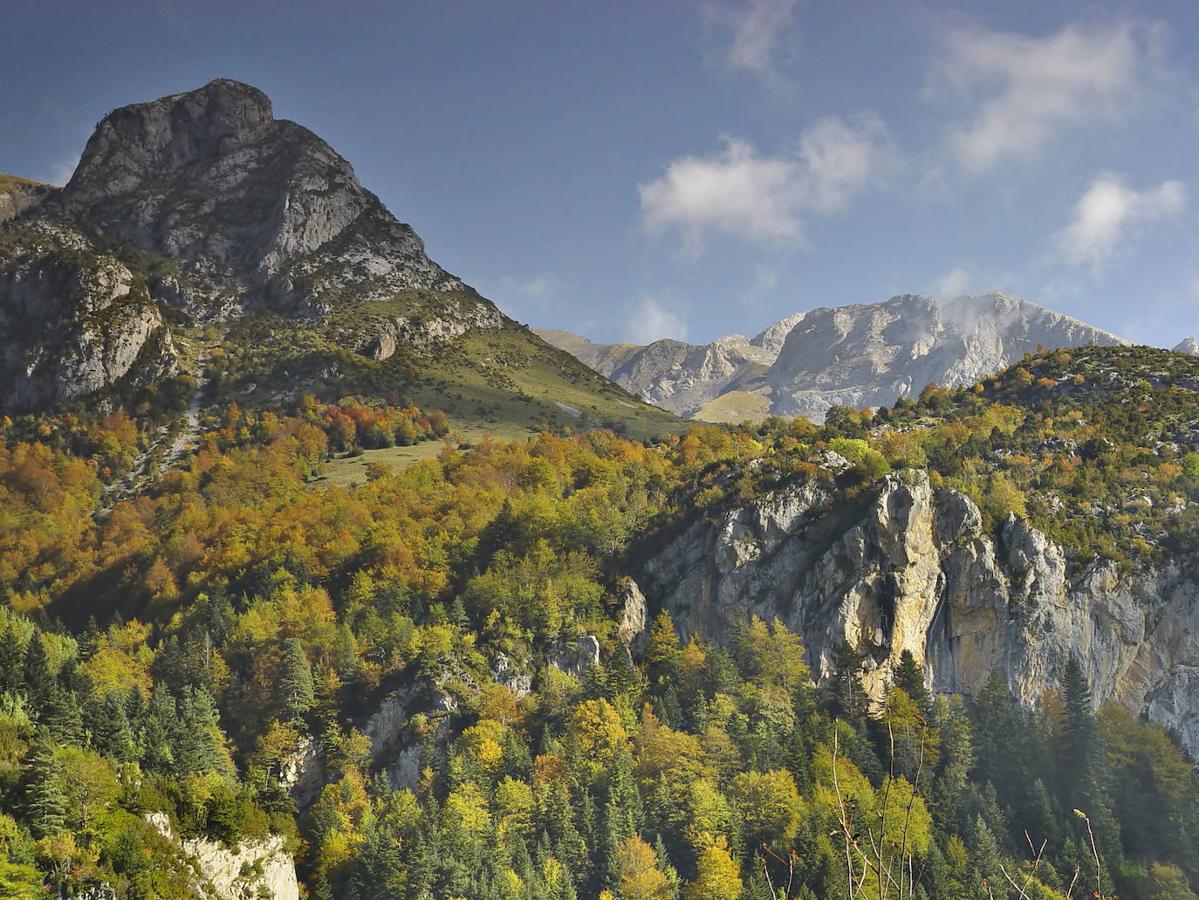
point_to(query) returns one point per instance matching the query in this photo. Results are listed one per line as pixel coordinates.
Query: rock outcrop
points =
(252, 870)
(1189, 346)
(912, 569)
(863, 355)
(19, 194)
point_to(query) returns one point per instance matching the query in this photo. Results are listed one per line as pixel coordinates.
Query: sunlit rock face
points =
(911, 569)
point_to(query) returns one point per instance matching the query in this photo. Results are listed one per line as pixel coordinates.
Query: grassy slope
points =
(734, 407)
(482, 380)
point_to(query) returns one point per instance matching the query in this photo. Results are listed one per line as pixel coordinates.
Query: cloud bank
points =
(1028, 90)
(740, 192)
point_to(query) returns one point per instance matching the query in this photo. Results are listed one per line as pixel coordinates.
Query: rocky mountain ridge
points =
(201, 210)
(861, 355)
(1189, 346)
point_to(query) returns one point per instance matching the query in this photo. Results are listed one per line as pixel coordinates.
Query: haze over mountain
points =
(860, 355)
(202, 210)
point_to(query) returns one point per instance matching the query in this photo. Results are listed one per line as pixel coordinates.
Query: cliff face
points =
(911, 569)
(861, 355)
(248, 871)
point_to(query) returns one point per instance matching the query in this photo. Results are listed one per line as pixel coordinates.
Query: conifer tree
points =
(12, 660)
(44, 804)
(39, 682)
(296, 691)
(909, 677)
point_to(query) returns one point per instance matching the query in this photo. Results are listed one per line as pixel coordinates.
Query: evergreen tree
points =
(198, 743)
(296, 692)
(112, 735)
(43, 801)
(909, 677)
(12, 660)
(39, 682)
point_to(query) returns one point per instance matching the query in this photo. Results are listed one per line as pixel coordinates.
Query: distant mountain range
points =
(860, 355)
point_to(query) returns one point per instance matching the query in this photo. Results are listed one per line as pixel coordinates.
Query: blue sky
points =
(634, 170)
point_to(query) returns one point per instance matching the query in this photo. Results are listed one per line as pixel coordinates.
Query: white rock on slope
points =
(253, 870)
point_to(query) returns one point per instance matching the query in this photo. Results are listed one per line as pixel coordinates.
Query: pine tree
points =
(112, 735)
(199, 745)
(12, 660)
(296, 691)
(39, 682)
(157, 729)
(985, 852)
(44, 803)
(909, 677)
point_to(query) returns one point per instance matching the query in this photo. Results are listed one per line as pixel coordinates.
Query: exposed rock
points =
(303, 774)
(505, 673)
(574, 657)
(249, 871)
(863, 355)
(212, 178)
(18, 195)
(394, 744)
(633, 616)
(1189, 346)
(913, 570)
(390, 334)
(72, 321)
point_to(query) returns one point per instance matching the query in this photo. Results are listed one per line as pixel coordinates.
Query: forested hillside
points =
(441, 683)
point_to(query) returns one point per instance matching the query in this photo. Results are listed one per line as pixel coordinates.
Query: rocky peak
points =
(155, 140)
(212, 179)
(1189, 346)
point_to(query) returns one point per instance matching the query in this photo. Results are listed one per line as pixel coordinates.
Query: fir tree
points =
(43, 801)
(12, 660)
(296, 691)
(39, 682)
(909, 677)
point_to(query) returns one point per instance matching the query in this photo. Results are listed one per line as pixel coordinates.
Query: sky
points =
(639, 169)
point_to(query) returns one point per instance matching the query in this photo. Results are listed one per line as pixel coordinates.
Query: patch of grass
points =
(734, 407)
(349, 470)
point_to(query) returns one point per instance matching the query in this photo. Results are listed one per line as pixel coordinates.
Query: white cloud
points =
(757, 27)
(1027, 90)
(952, 284)
(1105, 212)
(652, 320)
(739, 192)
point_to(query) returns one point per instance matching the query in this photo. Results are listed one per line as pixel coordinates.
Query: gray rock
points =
(248, 871)
(915, 572)
(574, 657)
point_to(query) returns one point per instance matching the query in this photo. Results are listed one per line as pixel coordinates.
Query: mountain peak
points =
(155, 138)
(1189, 346)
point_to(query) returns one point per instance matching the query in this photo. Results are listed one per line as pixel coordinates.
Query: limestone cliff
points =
(910, 568)
(251, 870)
